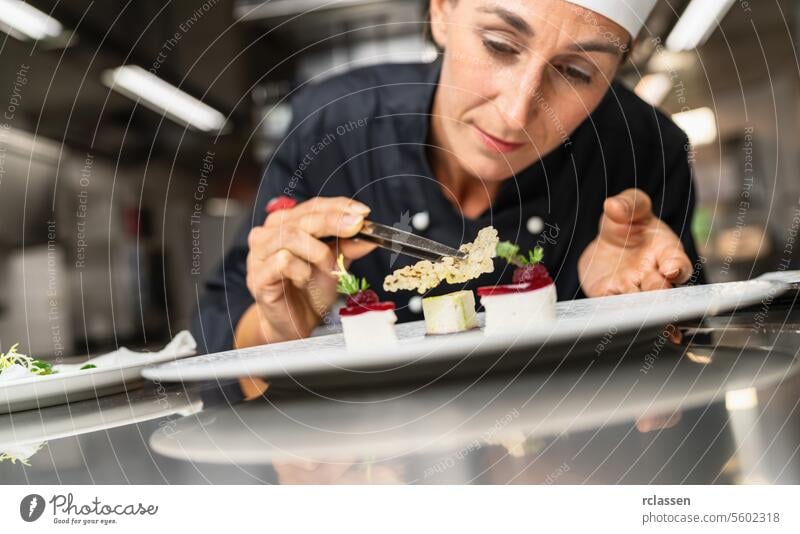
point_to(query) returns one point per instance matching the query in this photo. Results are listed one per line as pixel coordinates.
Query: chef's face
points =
(518, 77)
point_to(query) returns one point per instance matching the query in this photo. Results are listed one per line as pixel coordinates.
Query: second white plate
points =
(69, 386)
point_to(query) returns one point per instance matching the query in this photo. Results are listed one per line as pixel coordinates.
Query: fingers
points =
(322, 217)
(659, 422)
(626, 219)
(287, 247)
(265, 243)
(625, 284)
(674, 334)
(676, 267)
(342, 204)
(266, 279)
(354, 249)
(253, 387)
(301, 244)
(640, 280)
(632, 206)
(653, 281)
(283, 265)
(328, 223)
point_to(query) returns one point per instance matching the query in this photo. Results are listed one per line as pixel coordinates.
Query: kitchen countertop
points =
(719, 407)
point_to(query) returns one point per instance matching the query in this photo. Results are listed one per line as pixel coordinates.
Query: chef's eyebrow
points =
(512, 19)
(522, 26)
(597, 46)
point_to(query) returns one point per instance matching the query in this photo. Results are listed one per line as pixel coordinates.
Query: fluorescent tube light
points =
(158, 95)
(741, 399)
(27, 145)
(697, 23)
(699, 124)
(24, 21)
(666, 61)
(654, 88)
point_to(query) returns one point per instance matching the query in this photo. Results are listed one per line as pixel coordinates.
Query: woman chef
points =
(519, 125)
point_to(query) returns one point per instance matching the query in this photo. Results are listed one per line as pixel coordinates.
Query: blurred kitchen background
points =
(116, 203)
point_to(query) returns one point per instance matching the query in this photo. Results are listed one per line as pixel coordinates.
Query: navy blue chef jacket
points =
(364, 135)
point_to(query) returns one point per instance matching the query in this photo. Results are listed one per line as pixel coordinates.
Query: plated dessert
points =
(366, 321)
(455, 312)
(530, 298)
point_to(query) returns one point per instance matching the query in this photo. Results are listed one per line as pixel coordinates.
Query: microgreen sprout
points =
(12, 357)
(510, 252)
(348, 284)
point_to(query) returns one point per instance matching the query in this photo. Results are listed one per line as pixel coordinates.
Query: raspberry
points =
(363, 299)
(535, 275)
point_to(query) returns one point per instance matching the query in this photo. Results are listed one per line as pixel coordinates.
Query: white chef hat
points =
(630, 14)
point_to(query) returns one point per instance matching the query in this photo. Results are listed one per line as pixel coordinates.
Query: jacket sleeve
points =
(225, 296)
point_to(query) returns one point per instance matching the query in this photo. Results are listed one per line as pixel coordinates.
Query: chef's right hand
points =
(289, 267)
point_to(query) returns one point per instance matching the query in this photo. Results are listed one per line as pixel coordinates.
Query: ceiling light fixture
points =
(699, 124)
(156, 94)
(654, 88)
(25, 22)
(697, 23)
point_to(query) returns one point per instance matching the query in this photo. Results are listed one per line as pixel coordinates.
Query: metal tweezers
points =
(406, 243)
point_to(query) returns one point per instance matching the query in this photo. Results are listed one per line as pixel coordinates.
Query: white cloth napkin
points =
(183, 344)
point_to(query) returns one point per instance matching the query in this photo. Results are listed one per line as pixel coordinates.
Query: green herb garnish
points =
(510, 252)
(13, 459)
(12, 357)
(507, 250)
(88, 366)
(22, 456)
(37, 367)
(41, 367)
(348, 284)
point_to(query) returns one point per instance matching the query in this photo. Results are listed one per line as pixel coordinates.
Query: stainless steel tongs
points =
(405, 242)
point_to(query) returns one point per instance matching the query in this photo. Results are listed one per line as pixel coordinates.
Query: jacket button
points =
(420, 221)
(535, 225)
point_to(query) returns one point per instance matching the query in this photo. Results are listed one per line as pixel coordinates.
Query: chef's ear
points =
(440, 12)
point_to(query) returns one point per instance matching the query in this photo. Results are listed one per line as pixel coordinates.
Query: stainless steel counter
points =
(720, 407)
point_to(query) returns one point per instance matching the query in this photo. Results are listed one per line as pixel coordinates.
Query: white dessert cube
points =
(519, 310)
(447, 314)
(369, 329)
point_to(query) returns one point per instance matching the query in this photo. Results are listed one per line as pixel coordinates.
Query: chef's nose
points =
(520, 97)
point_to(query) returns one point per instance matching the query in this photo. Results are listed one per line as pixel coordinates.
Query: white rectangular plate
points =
(578, 320)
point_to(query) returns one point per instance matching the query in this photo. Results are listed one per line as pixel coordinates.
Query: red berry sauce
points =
(364, 301)
(527, 278)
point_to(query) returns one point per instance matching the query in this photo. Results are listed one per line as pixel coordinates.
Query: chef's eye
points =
(574, 74)
(499, 48)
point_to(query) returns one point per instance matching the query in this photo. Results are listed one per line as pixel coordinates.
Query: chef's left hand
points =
(633, 251)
